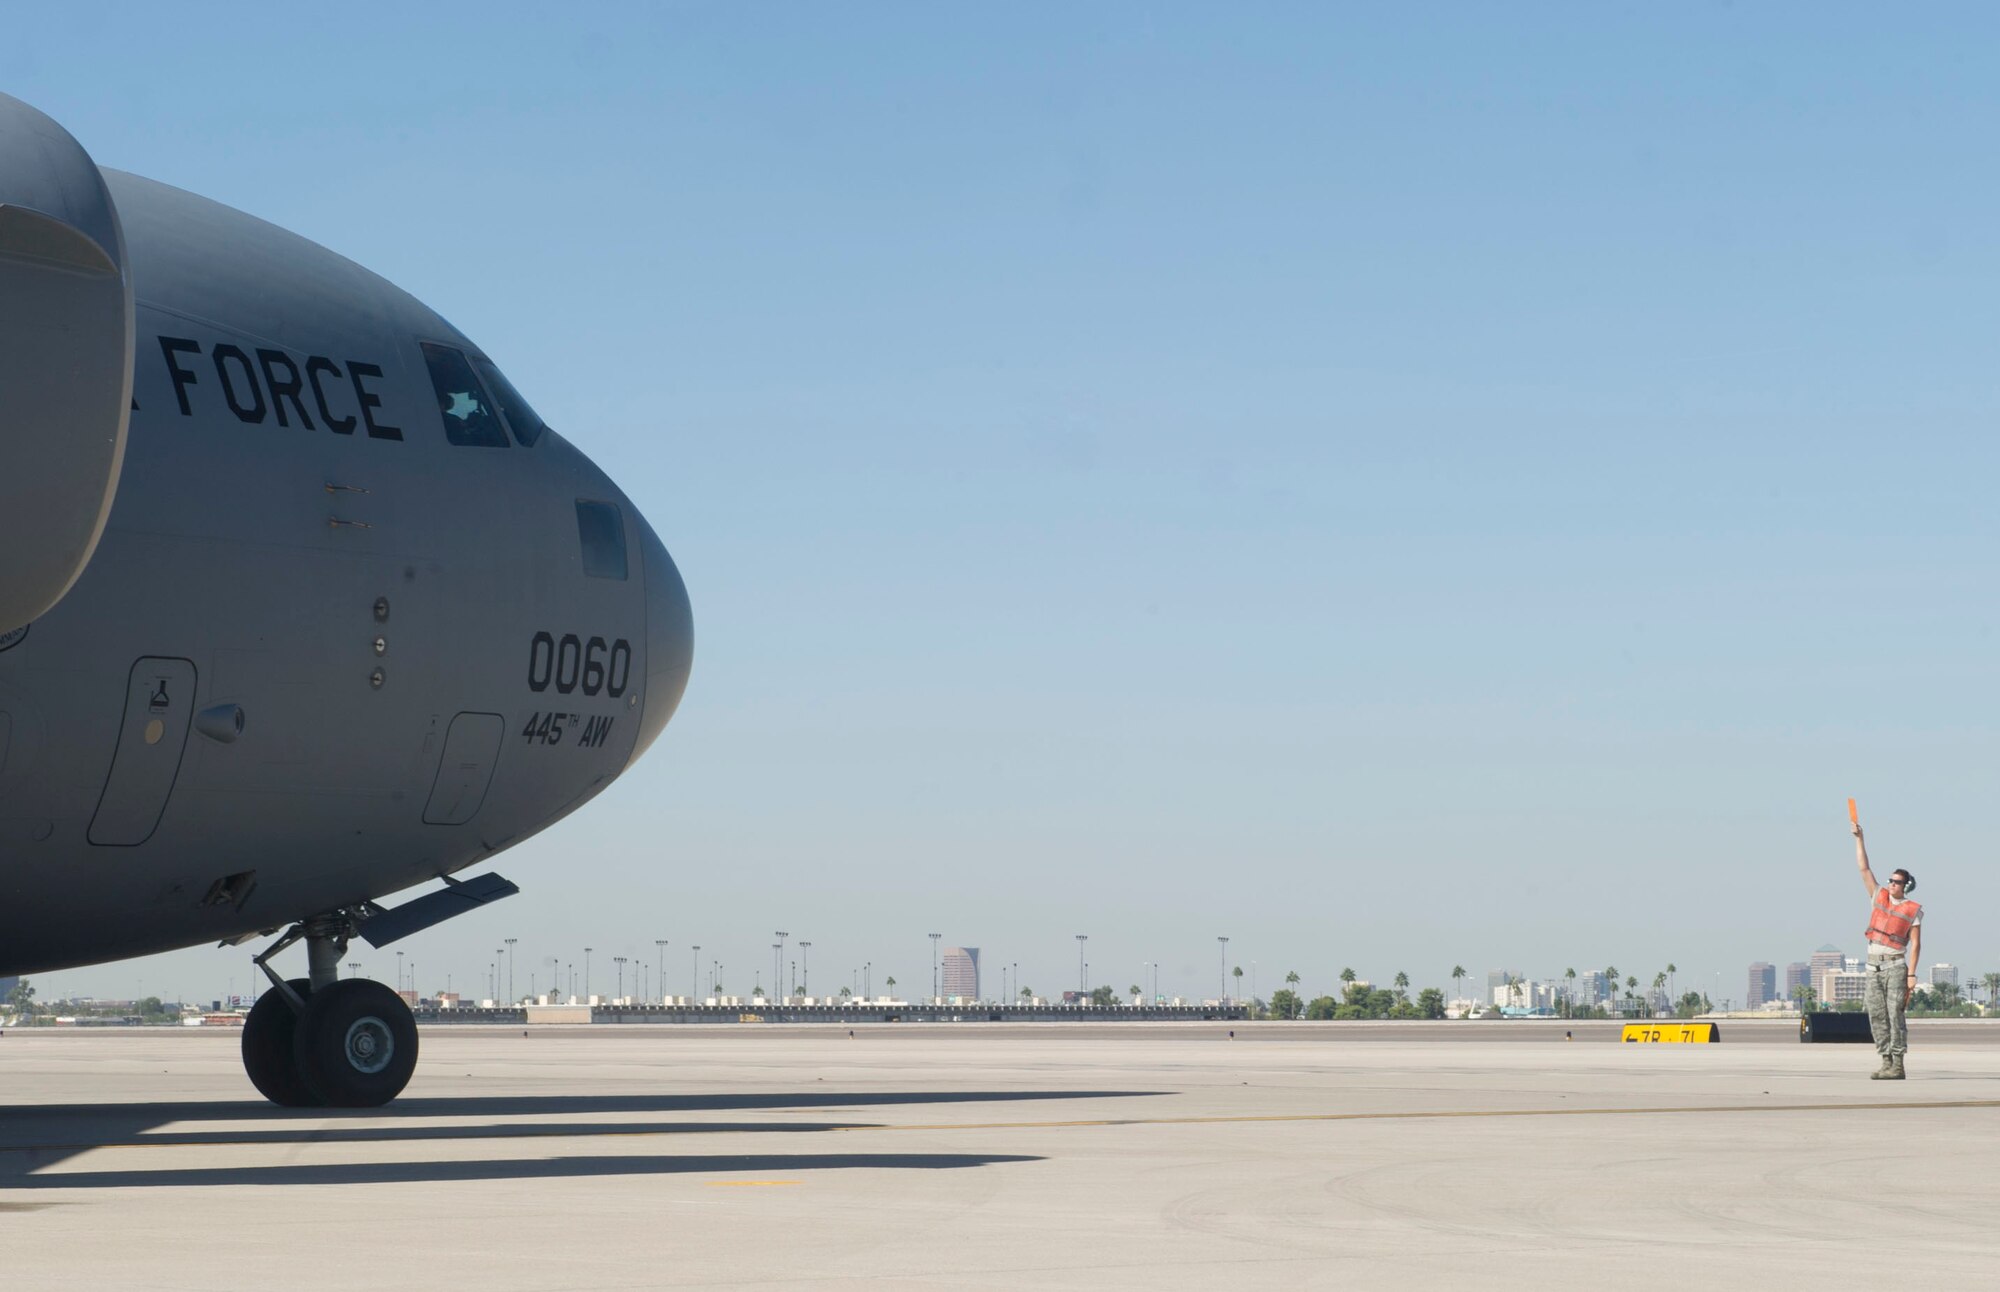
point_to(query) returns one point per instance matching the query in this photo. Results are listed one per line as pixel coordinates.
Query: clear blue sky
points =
(1398, 487)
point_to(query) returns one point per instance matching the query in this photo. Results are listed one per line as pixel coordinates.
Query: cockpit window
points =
(601, 527)
(521, 419)
(462, 402)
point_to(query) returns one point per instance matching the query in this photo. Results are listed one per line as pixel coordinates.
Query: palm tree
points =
(1238, 971)
(891, 986)
(1135, 995)
(1402, 984)
(1659, 981)
(1458, 976)
(1027, 993)
(1671, 971)
(1348, 976)
(1569, 997)
(846, 992)
(1631, 986)
(1610, 990)
(1992, 984)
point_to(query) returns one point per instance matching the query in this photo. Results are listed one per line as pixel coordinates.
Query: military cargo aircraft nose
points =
(669, 638)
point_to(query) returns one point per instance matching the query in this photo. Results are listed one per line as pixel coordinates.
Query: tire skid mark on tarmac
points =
(584, 1131)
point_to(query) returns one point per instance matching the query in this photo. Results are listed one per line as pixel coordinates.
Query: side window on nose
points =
(601, 528)
(463, 404)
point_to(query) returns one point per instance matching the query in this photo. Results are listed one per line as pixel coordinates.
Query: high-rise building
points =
(1827, 957)
(1837, 985)
(1763, 985)
(960, 975)
(1497, 992)
(1797, 974)
(1942, 974)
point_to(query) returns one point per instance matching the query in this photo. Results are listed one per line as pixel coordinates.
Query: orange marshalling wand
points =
(1851, 814)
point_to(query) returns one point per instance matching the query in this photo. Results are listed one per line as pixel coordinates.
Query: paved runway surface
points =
(1470, 1156)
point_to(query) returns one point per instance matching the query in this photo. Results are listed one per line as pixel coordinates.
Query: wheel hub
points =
(370, 1045)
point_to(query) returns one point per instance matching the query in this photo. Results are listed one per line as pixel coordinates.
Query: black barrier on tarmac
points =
(1828, 1025)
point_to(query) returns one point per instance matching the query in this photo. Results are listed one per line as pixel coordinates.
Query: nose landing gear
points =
(326, 1041)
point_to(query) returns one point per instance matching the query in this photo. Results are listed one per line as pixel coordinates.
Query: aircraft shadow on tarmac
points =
(33, 1138)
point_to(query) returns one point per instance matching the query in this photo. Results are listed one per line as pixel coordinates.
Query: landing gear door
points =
(471, 748)
(159, 699)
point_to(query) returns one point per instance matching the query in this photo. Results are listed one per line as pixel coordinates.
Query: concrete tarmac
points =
(1466, 1156)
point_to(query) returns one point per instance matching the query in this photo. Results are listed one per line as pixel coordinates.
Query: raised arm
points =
(1861, 860)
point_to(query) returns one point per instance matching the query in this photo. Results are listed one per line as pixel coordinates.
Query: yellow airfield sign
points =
(1663, 1032)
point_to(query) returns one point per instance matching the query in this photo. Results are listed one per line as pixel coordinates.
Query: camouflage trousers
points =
(1886, 1005)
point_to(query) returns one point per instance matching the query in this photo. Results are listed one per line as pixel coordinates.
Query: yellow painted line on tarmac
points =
(1441, 1113)
(583, 1131)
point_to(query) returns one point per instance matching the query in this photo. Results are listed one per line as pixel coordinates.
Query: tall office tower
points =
(1827, 957)
(961, 973)
(1797, 974)
(1763, 985)
(1942, 974)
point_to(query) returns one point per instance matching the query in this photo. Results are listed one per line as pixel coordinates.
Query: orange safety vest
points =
(1889, 923)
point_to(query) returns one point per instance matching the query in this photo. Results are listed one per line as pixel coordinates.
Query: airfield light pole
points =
(586, 973)
(511, 998)
(694, 979)
(1082, 969)
(353, 968)
(806, 966)
(621, 973)
(498, 953)
(399, 973)
(778, 966)
(934, 967)
(1225, 969)
(661, 960)
(868, 977)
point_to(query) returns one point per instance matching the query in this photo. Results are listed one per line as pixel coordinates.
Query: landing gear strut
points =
(327, 1041)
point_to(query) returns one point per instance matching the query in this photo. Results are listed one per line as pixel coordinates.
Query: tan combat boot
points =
(1895, 1072)
(1882, 1073)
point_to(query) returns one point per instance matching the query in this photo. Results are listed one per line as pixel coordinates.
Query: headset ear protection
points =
(1909, 883)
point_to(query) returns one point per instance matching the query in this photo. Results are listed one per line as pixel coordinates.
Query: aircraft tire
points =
(268, 1048)
(356, 1044)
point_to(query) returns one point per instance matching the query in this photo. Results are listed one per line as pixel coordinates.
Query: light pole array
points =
(778, 967)
(661, 961)
(1082, 970)
(934, 967)
(805, 966)
(620, 961)
(512, 999)
(1225, 968)
(586, 973)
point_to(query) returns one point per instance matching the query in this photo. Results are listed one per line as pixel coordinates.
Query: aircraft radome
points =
(301, 605)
